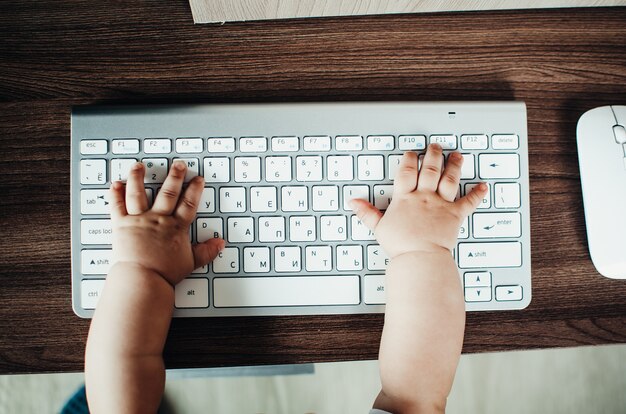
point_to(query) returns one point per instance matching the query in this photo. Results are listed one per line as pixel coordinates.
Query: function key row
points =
(321, 143)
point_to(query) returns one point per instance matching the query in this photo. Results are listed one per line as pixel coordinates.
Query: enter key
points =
(497, 225)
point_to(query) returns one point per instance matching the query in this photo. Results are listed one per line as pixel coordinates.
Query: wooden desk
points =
(57, 54)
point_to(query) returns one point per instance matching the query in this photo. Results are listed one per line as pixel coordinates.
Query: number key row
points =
(308, 168)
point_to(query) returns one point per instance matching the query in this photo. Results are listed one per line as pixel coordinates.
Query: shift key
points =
(505, 254)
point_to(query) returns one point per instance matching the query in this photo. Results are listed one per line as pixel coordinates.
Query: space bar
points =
(238, 292)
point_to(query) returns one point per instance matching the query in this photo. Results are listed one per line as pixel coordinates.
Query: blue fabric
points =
(77, 404)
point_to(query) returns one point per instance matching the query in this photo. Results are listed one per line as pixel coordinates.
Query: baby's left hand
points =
(157, 239)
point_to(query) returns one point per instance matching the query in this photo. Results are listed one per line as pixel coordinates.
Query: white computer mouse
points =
(601, 136)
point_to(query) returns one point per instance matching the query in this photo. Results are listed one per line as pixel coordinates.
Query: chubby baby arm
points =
(425, 312)
(124, 370)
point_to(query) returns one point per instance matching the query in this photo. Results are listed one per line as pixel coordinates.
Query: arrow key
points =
(477, 279)
(478, 294)
(509, 293)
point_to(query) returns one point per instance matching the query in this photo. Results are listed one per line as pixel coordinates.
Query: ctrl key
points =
(90, 291)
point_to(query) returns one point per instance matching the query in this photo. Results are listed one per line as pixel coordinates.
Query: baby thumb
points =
(207, 251)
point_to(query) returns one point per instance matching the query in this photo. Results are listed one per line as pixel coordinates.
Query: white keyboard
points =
(278, 178)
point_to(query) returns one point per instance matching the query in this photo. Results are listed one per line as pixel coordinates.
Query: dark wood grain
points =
(57, 54)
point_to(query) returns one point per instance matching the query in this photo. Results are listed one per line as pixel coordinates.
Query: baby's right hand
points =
(423, 215)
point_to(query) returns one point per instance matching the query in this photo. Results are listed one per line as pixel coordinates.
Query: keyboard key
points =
(309, 168)
(93, 172)
(507, 195)
(477, 279)
(90, 291)
(253, 144)
(120, 167)
(374, 290)
(349, 143)
(370, 167)
(325, 197)
(97, 231)
(286, 291)
(496, 225)
(420, 160)
(227, 261)
(271, 229)
(278, 169)
(208, 228)
(207, 201)
(498, 166)
(125, 146)
(394, 164)
(302, 229)
(340, 168)
(156, 170)
(447, 142)
(509, 293)
(96, 262)
(412, 142)
(318, 258)
(350, 258)
(192, 293)
(256, 259)
(93, 147)
(319, 143)
(217, 170)
(382, 196)
(467, 170)
(240, 229)
(193, 167)
(247, 169)
(359, 231)
(464, 229)
(232, 199)
(377, 259)
(94, 201)
(294, 199)
(157, 146)
(501, 254)
(97, 201)
(380, 142)
(287, 259)
(504, 142)
(285, 144)
(333, 228)
(486, 201)
(201, 270)
(262, 199)
(474, 142)
(189, 145)
(220, 144)
(351, 192)
(478, 294)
